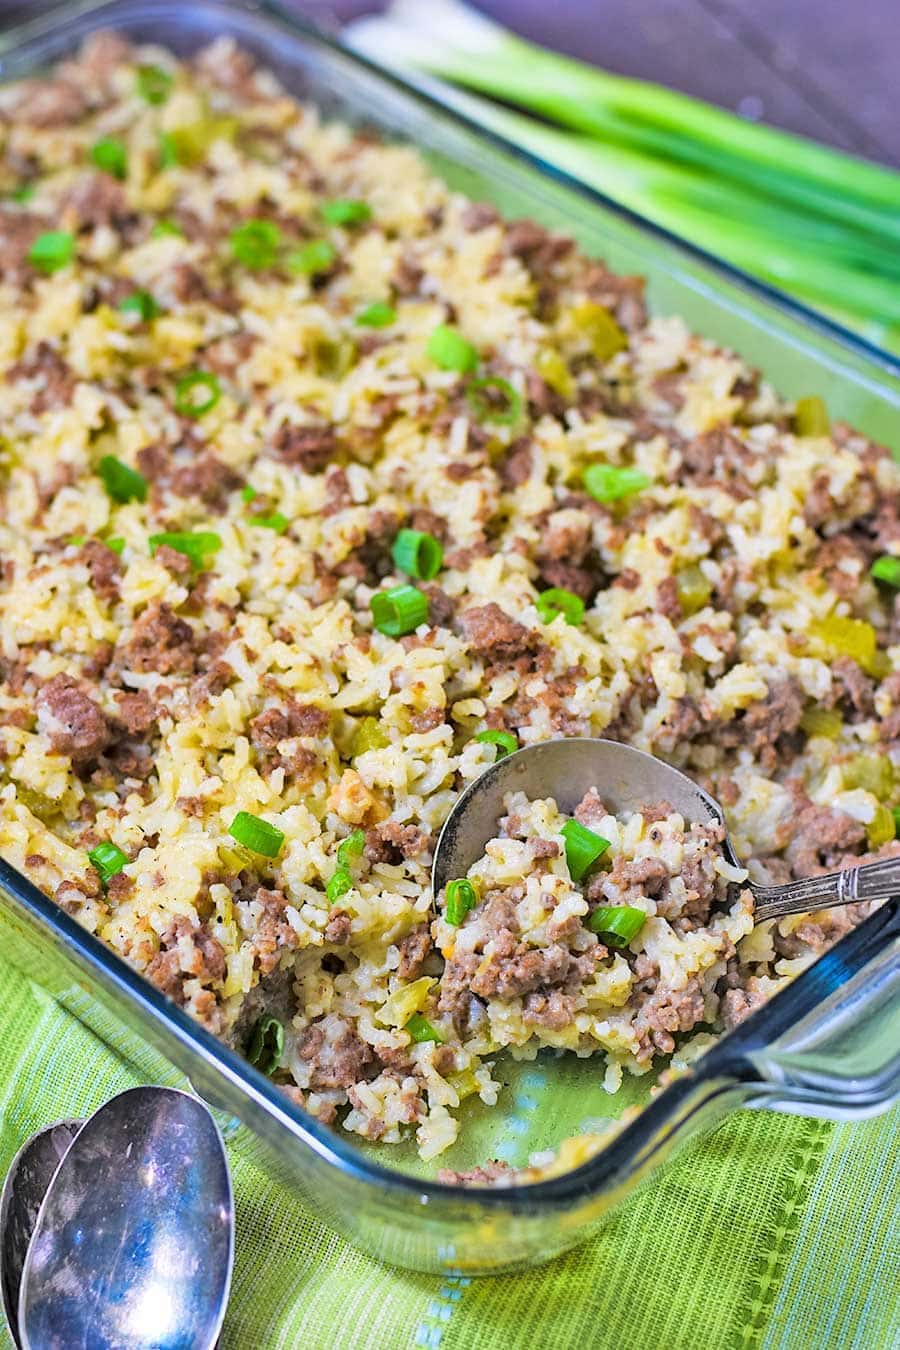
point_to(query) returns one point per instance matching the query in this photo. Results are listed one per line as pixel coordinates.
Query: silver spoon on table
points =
(118, 1233)
(625, 777)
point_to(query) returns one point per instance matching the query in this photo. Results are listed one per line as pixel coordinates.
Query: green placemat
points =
(775, 1231)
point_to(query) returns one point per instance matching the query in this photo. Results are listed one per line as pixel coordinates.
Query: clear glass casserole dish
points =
(827, 1045)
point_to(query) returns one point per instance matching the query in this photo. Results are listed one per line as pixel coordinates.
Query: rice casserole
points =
(242, 350)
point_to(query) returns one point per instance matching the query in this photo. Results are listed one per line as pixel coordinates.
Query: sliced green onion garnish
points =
(256, 243)
(811, 417)
(420, 1029)
(141, 303)
(164, 229)
(121, 483)
(116, 545)
(316, 256)
(256, 834)
(887, 569)
(617, 925)
(399, 610)
(377, 315)
(190, 398)
(77, 540)
(108, 859)
(555, 601)
(276, 521)
(610, 483)
(194, 544)
(22, 194)
(266, 1045)
(418, 554)
(450, 350)
(583, 847)
(344, 211)
(52, 250)
(154, 84)
(340, 883)
(110, 155)
(495, 400)
(248, 493)
(461, 896)
(351, 847)
(505, 741)
(168, 152)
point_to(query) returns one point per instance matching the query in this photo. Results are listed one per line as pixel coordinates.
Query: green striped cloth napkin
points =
(774, 1231)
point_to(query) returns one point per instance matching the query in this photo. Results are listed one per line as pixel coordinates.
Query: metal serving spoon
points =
(133, 1243)
(625, 777)
(29, 1176)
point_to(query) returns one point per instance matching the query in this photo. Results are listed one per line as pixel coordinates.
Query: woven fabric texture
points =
(773, 1232)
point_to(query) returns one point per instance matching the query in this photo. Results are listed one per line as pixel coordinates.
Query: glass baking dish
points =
(827, 1045)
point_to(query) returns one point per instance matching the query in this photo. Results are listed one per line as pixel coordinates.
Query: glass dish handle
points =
(842, 1060)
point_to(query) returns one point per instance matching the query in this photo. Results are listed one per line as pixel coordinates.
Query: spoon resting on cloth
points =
(133, 1244)
(567, 769)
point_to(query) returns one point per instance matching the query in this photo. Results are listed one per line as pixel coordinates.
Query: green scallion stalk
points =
(449, 349)
(110, 155)
(248, 493)
(266, 1045)
(255, 244)
(459, 897)
(194, 544)
(141, 303)
(616, 925)
(108, 859)
(257, 834)
(165, 229)
(399, 610)
(122, 483)
(344, 211)
(505, 741)
(611, 483)
(340, 883)
(495, 400)
(196, 393)
(351, 847)
(377, 315)
(555, 601)
(583, 848)
(276, 522)
(420, 1030)
(169, 156)
(52, 250)
(418, 554)
(887, 569)
(115, 545)
(309, 259)
(154, 84)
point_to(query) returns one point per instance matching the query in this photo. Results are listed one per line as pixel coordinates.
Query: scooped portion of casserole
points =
(320, 487)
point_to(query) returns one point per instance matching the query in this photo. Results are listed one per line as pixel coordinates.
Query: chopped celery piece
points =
(694, 589)
(873, 773)
(822, 722)
(369, 735)
(600, 328)
(881, 829)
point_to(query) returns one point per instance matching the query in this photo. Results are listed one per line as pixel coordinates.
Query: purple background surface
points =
(824, 68)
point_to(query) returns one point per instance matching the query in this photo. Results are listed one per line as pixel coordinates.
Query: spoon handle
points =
(872, 881)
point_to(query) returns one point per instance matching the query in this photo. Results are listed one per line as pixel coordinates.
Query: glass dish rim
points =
(724, 1068)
